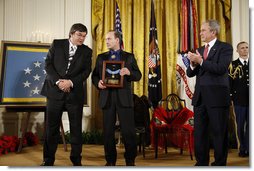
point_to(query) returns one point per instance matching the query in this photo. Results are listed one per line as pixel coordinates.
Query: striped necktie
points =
(71, 54)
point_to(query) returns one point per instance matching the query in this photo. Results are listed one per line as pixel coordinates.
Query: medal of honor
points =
(113, 72)
(113, 56)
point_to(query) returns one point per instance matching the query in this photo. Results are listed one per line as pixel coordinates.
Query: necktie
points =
(244, 63)
(71, 54)
(205, 54)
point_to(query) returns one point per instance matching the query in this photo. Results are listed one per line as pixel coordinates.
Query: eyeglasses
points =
(80, 34)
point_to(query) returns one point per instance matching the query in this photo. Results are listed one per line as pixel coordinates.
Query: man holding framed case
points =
(117, 101)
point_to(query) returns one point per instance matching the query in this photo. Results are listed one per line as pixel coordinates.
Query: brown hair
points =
(118, 35)
(77, 27)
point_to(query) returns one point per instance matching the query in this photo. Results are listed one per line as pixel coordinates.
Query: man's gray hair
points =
(214, 25)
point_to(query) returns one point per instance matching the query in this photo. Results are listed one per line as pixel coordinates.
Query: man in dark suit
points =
(68, 65)
(239, 84)
(211, 98)
(117, 101)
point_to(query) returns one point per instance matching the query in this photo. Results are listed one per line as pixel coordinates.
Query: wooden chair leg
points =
(182, 141)
(190, 145)
(139, 143)
(181, 150)
(143, 144)
(165, 142)
(63, 138)
(24, 129)
(156, 142)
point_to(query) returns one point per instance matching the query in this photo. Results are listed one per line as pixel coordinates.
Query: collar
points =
(211, 43)
(113, 52)
(72, 45)
(242, 60)
(115, 55)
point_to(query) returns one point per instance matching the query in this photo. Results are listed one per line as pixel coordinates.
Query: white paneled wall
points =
(41, 20)
(45, 16)
(240, 23)
(21, 18)
(1, 19)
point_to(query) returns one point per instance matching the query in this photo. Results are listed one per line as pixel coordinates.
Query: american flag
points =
(154, 75)
(185, 60)
(118, 24)
(24, 75)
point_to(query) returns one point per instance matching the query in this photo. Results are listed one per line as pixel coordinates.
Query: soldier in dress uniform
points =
(239, 83)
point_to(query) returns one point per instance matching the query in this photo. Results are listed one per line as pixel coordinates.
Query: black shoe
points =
(77, 164)
(218, 164)
(130, 164)
(213, 164)
(76, 161)
(200, 164)
(110, 164)
(47, 164)
(243, 154)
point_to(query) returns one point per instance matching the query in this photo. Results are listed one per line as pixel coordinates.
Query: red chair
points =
(169, 124)
(159, 129)
(181, 127)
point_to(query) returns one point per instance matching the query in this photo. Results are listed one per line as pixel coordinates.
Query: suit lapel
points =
(66, 49)
(107, 56)
(202, 51)
(239, 62)
(123, 56)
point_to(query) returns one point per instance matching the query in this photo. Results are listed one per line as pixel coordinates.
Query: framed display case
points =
(111, 73)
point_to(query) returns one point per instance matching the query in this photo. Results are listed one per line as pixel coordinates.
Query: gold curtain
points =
(135, 18)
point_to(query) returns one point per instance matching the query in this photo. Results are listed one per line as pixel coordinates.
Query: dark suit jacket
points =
(56, 65)
(125, 93)
(212, 84)
(240, 83)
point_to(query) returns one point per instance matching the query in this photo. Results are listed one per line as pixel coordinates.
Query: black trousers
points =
(242, 120)
(127, 127)
(54, 112)
(211, 121)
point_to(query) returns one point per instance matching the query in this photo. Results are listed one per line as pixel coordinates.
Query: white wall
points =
(1, 19)
(41, 20)
(240, 23)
